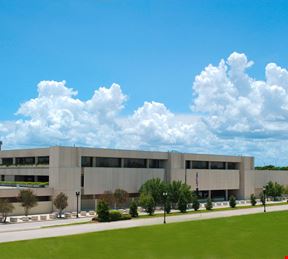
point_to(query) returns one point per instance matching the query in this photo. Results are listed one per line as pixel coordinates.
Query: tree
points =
(182, 203)
(60, 202)
(177, 188)
(274, 189)
(133, 210)
(209, 204)
(5, 208)
(148, 203)
(120, 197)
(109, 198)
(103, 211)
(154, 187)
(195, 203)
(232, 201)
(174, 190)
(253, 199)
(28, 200)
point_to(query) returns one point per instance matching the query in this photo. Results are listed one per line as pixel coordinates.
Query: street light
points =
(165, 194)
(77, 195)
(264, 194)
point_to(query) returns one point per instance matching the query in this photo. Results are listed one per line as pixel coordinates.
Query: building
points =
(92, 171)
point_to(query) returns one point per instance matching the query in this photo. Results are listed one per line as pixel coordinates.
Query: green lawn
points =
(251, 236)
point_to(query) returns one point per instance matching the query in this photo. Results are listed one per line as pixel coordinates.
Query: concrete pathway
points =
(34, 230)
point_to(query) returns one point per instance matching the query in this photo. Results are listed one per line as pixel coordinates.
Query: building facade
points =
(93, 171)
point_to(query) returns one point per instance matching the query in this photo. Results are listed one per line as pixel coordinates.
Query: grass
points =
(250, 236)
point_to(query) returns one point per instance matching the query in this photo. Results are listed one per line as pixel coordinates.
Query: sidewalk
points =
(37, 232)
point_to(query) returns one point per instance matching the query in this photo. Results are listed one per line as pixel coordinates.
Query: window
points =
(24, 178)
(188, 164)
(200, 165)
(233, 166)
(86, 161)
(108, 162)
(7, 161)
(43, 160)
(217, 165)
(2, 178)
(43, 178)
(25, 160)
(156, 163)
(134, 163)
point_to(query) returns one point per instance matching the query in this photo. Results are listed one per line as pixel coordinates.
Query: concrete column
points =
(209, 194)
(226, 195)
(36, 160)
(93, 161)
(147, 163)
(122, 162)
(14, 160)
(209, 165)
(226, 165)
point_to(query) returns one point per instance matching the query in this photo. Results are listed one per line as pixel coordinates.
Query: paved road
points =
(35, 231)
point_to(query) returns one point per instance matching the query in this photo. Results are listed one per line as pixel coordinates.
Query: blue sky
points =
(152, 49)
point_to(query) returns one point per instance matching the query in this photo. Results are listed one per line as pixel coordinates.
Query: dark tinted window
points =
(156, 163)
(25, 160)
(108, 162)
(200, 165)
(233, 166)
(43, 160)
(7, 161)
(217, 165)
(86, 161)
(134, 163)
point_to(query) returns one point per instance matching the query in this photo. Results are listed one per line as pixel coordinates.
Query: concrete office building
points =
(92, 171)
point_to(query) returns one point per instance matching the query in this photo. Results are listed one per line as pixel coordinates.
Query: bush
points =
(232, 201)
(147, 202)
(103, 211)
(115, 215)
(182, 203)
(253, 199)
(195, 203)
(133, 210)
(126, 217)
(209, 204)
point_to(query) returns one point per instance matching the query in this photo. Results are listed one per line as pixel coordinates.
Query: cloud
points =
(235, 104)
(231, 113)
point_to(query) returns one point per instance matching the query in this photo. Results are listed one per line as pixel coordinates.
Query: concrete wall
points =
(98, 180)
(43, 207)
(65, 174)
(20, 170)
(213, 179)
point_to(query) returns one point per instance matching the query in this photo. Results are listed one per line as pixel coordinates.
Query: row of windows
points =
(26, 178)
(117, 162)
(211, 165)
(41, 160)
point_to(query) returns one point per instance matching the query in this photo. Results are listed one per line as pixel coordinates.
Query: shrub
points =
(209, 204)
(182, 203)
(253, 199)
(133, 210)
(195, 203)
(232, 201)
(103, 211)
(115, 215)
(126, 217)
(147, 202)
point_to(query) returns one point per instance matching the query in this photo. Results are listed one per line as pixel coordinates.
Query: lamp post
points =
(264, 194)
(77, 195)
(165, 198)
